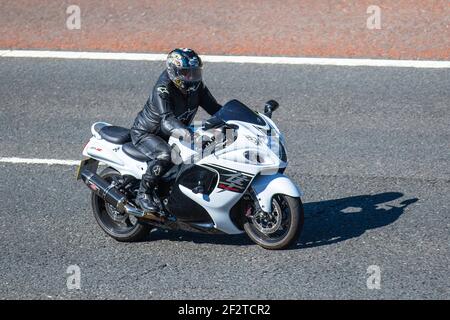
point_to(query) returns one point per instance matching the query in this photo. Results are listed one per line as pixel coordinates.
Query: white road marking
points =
(36, 161)
(229, 59)
(82, 55)
(39, 161)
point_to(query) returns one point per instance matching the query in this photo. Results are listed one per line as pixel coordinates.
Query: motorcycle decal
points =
(231, 180)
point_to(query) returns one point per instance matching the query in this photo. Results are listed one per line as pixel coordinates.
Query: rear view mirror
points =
(270, 107)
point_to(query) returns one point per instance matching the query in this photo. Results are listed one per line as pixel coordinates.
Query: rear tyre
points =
(281, 227)
(122, 227)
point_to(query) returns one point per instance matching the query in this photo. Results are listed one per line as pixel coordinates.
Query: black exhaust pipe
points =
(104, 190)
(110, 194)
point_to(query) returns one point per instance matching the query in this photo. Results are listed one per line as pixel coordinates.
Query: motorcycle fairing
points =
(265, 186)
(231, 180)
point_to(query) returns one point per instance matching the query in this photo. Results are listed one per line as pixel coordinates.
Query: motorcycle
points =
(230, 180)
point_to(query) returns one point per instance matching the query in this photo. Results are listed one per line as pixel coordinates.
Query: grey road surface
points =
(370, 147)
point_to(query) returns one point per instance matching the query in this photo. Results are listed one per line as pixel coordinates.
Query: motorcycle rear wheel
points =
(121, 227)
(279, 229)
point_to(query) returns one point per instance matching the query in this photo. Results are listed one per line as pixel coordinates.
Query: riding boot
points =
(144, 198)
(150, 179)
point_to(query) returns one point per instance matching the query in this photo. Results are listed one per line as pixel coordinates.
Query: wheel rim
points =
(274, 226)
(119, 218)
(268, 223)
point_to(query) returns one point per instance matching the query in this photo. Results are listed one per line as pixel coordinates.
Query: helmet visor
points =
(190, 74)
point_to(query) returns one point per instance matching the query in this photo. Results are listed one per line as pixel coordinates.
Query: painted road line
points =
(39, 161)
(227, 59)
(82, 55)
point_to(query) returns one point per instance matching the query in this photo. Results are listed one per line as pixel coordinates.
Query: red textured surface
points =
(326, 28)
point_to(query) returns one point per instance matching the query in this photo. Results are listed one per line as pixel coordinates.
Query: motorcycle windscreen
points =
(236, 110)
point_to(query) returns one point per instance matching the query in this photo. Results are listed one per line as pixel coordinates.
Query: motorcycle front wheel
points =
(122, 227)
(279, 228)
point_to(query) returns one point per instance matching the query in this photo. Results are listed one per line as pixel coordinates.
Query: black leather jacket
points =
(168, 108)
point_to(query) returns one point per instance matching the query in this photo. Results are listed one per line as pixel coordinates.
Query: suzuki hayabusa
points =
(229, 179)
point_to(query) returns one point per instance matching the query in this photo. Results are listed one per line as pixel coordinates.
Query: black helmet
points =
(184, 67)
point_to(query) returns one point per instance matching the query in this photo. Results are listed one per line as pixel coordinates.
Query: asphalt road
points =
(368, 146)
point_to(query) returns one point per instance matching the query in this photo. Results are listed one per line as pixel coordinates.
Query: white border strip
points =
(39, 161)
(228, 59)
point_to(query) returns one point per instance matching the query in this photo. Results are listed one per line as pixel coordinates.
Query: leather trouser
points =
(158, 150)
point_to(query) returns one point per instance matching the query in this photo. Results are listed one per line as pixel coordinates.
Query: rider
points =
(169, 110)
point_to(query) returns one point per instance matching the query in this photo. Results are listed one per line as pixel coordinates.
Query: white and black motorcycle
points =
(237, 184)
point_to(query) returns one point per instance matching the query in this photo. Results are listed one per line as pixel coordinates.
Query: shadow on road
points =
(326, 222)
(332, 221)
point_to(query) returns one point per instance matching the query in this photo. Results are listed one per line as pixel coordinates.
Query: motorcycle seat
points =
(115, 134)
(131, 150)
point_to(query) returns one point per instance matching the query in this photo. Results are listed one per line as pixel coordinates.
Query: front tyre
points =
(279, 228)
(122, 227)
